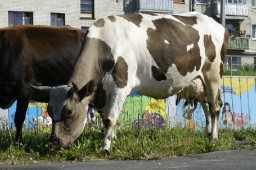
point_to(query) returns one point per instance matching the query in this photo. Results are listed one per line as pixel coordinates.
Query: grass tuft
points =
(144, 143)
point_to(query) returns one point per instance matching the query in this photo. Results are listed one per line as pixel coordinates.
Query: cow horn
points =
(41, 91)
(86, 90)
(39, 87)
(75, 86)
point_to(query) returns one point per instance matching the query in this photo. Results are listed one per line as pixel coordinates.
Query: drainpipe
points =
(222, 12)
(193, 5)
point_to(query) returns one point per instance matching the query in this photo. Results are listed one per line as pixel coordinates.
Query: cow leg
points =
(22, 105)
(208, 119)
(110, 118)
(214, 104)
(215, 118)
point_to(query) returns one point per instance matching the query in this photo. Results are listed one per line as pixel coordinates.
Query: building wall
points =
(181, 7)
(247, 60)
(42, 9)
(251, 20)
(246, 25)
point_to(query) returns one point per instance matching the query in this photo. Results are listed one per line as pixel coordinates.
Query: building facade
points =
(76, 13)
(240, 17)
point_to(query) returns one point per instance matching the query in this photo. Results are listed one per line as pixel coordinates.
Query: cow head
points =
(67, 108)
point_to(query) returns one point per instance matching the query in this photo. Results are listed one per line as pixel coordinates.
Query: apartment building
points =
(76, 13)
(240, 17)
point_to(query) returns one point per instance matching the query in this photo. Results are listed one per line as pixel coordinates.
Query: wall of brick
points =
(247, 61)
(181, 7)
(252, 20)
(42, 9)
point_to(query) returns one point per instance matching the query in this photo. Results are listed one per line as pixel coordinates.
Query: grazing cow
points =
(149, 54)
(35, 54)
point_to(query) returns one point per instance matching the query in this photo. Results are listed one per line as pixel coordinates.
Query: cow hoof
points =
(214, 140)
(105, 152)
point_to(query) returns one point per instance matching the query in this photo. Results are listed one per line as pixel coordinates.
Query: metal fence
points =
(238, 94)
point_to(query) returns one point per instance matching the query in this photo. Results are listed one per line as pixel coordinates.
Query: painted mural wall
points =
(239, 110)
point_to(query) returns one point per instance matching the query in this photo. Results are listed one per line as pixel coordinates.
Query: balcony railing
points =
(238, 43)
(232, 9)
(163, 6)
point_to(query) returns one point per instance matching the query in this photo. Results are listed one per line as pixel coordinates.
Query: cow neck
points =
(86, 66)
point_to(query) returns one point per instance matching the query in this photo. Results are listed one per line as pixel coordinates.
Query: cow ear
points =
(87, 90)
(41, 93)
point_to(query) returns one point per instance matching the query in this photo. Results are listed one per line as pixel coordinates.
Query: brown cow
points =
(35, 54)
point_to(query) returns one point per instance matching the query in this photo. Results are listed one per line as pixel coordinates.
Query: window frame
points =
(84, 28)
(200, 1)
(253, 3)
(179, 1)
(233, 62)
(56, 17)
(25, 16)
(253, 32)
(86, 14)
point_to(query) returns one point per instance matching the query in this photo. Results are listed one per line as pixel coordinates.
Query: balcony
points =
(233, 9)
(161, 6)
(238, 43)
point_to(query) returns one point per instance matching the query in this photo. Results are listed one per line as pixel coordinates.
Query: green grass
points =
(130, 144)
(240, 73)
(246, 70)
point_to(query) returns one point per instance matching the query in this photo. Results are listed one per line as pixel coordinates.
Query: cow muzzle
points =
(55, 143)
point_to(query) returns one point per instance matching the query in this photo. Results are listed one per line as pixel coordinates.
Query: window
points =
(19, 18)
(254, 31)
(57, 19)
(254, 63)
(84, 29)
(179, 1)
(234, 28)
(202, 1)
(87, 8)
(236, 1)
(233, 62)
(254, 3)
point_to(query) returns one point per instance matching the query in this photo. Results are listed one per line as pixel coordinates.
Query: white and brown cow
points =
(149, 54)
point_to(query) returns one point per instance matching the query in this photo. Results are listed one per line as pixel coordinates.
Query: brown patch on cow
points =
(224, 50)
(99, 98)
(175, 51)
(112, 18)
(150, 13)
(99, 23)
(134, 18)
(108, 65)
(187, 20)
(120, 73)
(102, 61)
(158, 74)
(209, 48)
(221, 70)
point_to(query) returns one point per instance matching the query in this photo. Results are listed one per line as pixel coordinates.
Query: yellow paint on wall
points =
(239, 87)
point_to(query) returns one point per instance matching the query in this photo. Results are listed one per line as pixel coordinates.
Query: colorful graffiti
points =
(239, 110)
(154, 115)
(238, 96)
(4, 119)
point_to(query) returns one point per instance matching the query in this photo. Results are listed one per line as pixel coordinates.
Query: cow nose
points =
(68, 146)
(55, 142)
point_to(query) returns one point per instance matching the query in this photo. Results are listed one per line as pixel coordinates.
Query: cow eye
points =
(69, 113)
